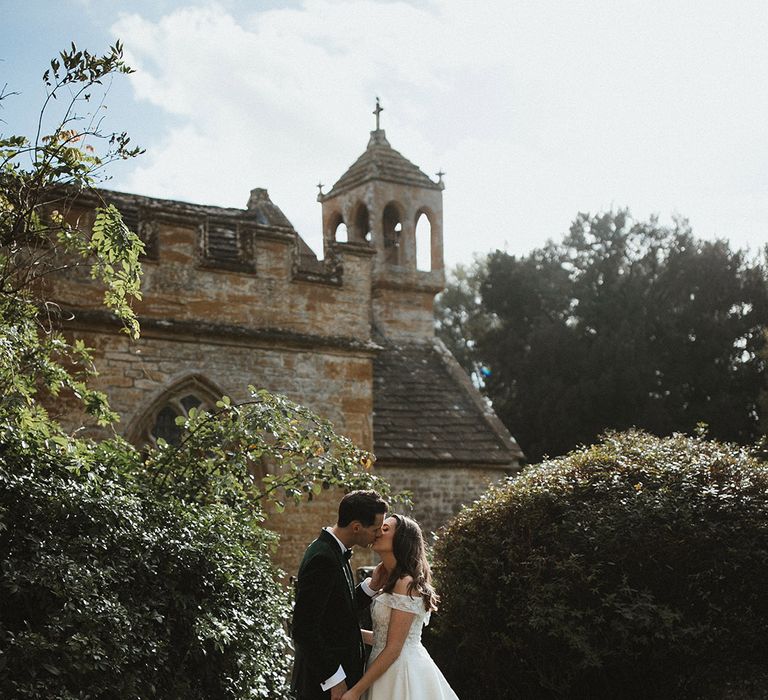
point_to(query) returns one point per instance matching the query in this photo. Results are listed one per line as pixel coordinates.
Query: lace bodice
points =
(381, 609)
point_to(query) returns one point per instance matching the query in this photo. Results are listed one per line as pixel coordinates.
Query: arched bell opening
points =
(362, 226)
(424, 260)
(392, 230)
(337, 229)
(340, 233)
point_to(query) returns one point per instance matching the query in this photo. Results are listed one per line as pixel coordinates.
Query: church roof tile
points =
(425, 409)
(381, 162)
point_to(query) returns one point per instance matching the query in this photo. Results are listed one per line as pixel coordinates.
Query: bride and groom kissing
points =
(329, 658)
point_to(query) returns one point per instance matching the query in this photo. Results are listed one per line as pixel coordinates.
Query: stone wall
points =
(182, 285)
(333, 383)
(440, 491)
(137, 374)
(404, 314)
(299, 525)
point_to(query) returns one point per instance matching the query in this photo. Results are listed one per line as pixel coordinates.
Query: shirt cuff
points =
(335, 679)
(366, 586)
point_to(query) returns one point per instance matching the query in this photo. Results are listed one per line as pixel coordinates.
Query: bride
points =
(399, 666)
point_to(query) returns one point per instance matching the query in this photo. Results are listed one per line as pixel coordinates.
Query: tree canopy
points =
(621, 323)
(39, 178)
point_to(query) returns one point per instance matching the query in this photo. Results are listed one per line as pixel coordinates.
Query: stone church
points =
(233, 297)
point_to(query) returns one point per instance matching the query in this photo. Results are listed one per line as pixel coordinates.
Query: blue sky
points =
(536, 110)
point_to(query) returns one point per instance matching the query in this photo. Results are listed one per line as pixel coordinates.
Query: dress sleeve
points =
(397, 601)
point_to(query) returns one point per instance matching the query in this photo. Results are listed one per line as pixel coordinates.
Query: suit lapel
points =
(346, 570)
(350, 579)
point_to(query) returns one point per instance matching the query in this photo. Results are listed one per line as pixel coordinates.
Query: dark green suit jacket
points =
(326, 631)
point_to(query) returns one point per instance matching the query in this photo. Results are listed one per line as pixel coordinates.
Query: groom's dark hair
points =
(361, 505)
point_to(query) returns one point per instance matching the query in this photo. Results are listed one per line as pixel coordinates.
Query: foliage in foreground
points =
(634, 568)
(40, 177)
(128, 574)
(620, 324)
(111, 589)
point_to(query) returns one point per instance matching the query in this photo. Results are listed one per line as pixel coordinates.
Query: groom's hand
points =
(338, 690)
(379, 577)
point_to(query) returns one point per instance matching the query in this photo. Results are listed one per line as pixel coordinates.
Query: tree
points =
(620, 324)
(460, 319)
(39, 178)
(630, 569)
(130, 573)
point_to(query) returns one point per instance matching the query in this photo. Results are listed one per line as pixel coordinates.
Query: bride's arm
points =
(399, 625)
(367, 637)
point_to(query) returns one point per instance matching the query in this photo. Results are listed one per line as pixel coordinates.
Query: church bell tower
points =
(381, 200)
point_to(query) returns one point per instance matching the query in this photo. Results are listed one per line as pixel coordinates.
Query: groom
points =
(326, 632)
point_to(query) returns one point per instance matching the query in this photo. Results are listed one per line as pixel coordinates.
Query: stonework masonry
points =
(442, 491)
(235, 297)
(334, 384)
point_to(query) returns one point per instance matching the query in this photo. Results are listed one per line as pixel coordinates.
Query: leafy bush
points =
(634, 568)
(111, 590)
(129, 575)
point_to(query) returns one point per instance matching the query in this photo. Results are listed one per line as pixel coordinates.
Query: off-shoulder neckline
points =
(402, 595)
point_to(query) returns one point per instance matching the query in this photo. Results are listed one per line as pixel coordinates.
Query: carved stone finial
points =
(440, 174)
(320, 188)
(379, 109)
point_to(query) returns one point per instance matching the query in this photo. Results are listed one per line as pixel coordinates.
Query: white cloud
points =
(535, 110)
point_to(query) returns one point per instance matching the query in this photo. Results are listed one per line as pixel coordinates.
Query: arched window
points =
(423, 242)
(338, 229)
(159, 422)
(393, 229)
(165, 422)
(362, 224)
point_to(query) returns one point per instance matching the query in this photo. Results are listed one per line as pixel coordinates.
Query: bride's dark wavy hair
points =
(411, 560)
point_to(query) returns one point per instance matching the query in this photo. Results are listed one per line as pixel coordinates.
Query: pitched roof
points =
(381, 162)
(425, 409)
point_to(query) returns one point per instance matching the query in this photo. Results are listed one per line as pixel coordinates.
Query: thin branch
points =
(42, 111)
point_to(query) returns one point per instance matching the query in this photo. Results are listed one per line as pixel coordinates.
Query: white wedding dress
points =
(413, 675)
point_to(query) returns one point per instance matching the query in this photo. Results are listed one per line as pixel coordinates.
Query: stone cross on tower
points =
(379, 109)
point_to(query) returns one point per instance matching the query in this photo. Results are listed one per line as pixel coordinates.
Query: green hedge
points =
(110, 589)
(635, 568)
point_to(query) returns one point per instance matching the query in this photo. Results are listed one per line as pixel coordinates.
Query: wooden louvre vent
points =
(222, 243)
(131, 218)
(227, 245)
